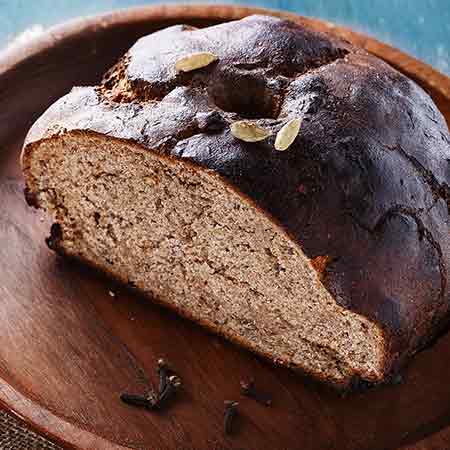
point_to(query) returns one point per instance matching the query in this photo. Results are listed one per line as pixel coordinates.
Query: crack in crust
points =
(438, 190)
(424, 232)
(118, 87)
(114, 85)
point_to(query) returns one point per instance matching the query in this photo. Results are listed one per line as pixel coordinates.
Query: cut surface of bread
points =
(185, 237)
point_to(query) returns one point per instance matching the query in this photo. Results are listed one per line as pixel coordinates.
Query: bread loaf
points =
(277, 185)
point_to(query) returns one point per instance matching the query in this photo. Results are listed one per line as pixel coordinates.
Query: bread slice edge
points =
(331, 343)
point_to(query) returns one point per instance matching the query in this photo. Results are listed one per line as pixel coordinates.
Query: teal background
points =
(421, 27)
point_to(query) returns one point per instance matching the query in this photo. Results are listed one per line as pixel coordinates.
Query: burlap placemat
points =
(14, 435)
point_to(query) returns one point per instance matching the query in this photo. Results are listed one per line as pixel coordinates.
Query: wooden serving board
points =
(68, 349)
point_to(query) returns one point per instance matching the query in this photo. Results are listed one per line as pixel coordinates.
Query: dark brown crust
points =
(366, 182)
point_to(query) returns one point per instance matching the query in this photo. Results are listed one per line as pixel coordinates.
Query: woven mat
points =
(14, 435)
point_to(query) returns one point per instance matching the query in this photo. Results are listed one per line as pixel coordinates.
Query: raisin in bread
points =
(275, 184)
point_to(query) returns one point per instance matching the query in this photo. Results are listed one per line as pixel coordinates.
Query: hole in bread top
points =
(250, 95)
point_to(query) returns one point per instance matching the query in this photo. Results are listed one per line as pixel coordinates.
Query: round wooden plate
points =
(68, 348)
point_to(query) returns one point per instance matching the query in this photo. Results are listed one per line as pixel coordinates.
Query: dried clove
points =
(163, 374)
(229, 416)
(169, 383)
(153, 399)
(171, 387)
(136, 400)
(248, 389)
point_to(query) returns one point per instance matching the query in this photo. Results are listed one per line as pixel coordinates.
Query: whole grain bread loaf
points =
(331, 256)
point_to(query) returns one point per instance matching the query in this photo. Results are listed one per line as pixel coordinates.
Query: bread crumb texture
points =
(185, 238)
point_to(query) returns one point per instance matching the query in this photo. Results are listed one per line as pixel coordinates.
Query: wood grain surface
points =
(68, 348)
